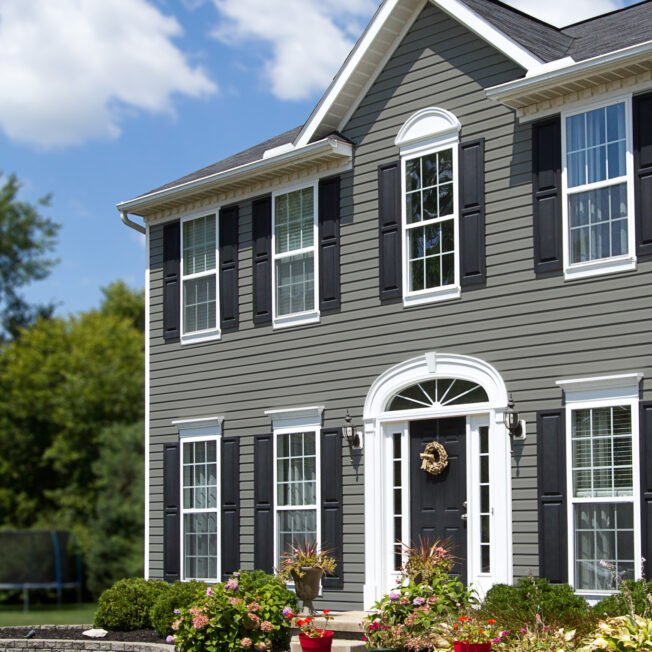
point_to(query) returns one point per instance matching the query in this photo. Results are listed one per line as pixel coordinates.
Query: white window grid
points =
(573, 501)
(310, 314)
(485, 501)
(212, 551)
(310, 507)
(397, 498)
(625, 261)
(452, 289)
(207, 333)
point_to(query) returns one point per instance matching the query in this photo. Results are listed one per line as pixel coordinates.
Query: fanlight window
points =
(438, 393)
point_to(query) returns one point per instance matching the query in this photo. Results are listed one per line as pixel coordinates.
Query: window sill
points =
(431, 296)
(197, 338)
(297, 319)
(600, 267)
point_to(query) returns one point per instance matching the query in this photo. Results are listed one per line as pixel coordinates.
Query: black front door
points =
(438, 502)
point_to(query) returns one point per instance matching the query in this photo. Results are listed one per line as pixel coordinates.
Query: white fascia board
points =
(492, 35)
(346, 71)
(565, 73)
(334, 145)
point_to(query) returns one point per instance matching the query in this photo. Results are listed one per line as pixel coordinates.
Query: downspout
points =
(131, 223)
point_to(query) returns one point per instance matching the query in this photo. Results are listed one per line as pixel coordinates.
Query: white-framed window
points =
(199, 278)
(294, 251)
(429, 143)
(199, 442)
(598, 197)
(602, 448)
(297, 477)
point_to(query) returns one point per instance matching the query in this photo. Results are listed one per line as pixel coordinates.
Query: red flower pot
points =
(321, 644)
(460, 646)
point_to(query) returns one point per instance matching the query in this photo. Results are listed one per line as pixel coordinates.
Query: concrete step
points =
(339, 645)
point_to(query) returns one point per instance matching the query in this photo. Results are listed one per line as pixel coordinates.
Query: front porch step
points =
(339, 645)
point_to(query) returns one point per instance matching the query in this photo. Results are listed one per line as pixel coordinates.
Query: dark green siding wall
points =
(534, 331)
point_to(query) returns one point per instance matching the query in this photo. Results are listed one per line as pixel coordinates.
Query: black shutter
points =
(329, 243)
(645, 427)
(389, 214)
(171, 270)
(171, 531)
(472, 230)
(546, 195)
(643, 172)
(264, 503)
(261, 216)
(230, 489)
(229, 267)
(331, 502)
(551, 474)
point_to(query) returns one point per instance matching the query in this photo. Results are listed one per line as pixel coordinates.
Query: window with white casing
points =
(598, 173)
(200, 521)
(199, 286)
(297, 488)
(295, 257)
(603, 487)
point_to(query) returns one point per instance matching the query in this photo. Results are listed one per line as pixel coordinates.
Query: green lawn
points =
(47, 615)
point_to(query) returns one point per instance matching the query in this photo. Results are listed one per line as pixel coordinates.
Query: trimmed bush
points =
(618, 604)
(127, 604)
(180, 596)
(517, 606)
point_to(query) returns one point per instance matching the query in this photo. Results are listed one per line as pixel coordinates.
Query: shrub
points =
(181, 595)
(619, 603)
(621, 634)
(126, 605)
(231, 616)
(253, 580)
(518, 606)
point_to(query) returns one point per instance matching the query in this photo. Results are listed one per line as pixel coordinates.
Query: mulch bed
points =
(75, 633)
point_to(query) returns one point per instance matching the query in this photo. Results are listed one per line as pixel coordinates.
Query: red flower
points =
(327, 611)
(491, 621)
(463, 618)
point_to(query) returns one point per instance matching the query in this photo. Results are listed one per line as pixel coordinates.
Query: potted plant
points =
(474, 635)
(305, 563)
(426, 560)
(311, 638)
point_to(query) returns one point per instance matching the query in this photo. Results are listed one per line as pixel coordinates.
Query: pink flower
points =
(231, 585)
(199, 622)
(196, 611)
(246, 642)
(254, 606)
(175, 624)
(209, 592)
(169, 640)
(266, 626)
(261, 645)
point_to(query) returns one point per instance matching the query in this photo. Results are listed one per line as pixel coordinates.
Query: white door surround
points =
(381, 425)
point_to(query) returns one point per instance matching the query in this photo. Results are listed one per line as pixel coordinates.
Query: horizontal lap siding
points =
(534, 331)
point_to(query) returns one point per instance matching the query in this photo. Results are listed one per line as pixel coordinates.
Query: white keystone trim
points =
(614, 387)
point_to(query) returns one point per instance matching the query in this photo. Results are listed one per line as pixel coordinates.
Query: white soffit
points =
(376, 45)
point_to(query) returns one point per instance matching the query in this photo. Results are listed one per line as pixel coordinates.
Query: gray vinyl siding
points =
(533, 330)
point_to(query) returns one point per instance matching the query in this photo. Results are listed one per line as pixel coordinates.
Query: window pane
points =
(445, 166)
(433, 272)
(413, 174)
(430, 210)
(295, 279)
(296, 527)
(417, 278)
(294, 220)
(445, 199)
(199, 304)
(200, 546)
(199, 245)
(429, 170)
(433, 240)
(413, 207)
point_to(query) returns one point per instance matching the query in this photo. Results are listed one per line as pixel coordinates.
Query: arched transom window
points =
(437, 393)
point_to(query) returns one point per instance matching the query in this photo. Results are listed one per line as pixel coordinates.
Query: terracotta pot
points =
(460, 646)
(321, 644)
(307, 587)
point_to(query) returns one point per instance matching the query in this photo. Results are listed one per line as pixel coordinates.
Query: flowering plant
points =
(426, 560)
(305, 555)
(307, 625)
(469, 629)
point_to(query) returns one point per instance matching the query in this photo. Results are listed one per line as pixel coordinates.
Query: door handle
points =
(464, 517)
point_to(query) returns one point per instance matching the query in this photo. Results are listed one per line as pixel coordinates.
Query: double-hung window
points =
(430, 225)
(199, 287)
(199, 507)
(603, 518)
(297, 492)
(598, 173)
(295, 257)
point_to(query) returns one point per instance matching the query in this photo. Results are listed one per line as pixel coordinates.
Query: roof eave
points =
(516, 93)
(148, 202)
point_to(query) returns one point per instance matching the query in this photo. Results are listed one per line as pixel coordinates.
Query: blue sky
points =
(104, 100)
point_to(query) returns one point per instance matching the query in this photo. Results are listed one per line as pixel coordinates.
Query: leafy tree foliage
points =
(26, 237)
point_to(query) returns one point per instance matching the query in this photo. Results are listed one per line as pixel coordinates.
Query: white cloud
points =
(563, 12)
(70, 69)
(309, 38)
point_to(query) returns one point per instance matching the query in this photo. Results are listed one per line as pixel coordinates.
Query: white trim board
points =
(147, 399)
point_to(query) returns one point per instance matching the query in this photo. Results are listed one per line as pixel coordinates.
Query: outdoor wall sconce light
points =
(514, 425)
(351, 435)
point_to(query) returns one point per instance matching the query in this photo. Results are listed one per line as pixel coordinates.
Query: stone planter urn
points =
(307, 587)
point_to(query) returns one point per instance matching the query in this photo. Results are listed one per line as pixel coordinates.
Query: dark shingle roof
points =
(589, 38)
(250, 155)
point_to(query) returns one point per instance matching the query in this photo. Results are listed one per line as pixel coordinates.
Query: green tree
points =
(26, 238)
